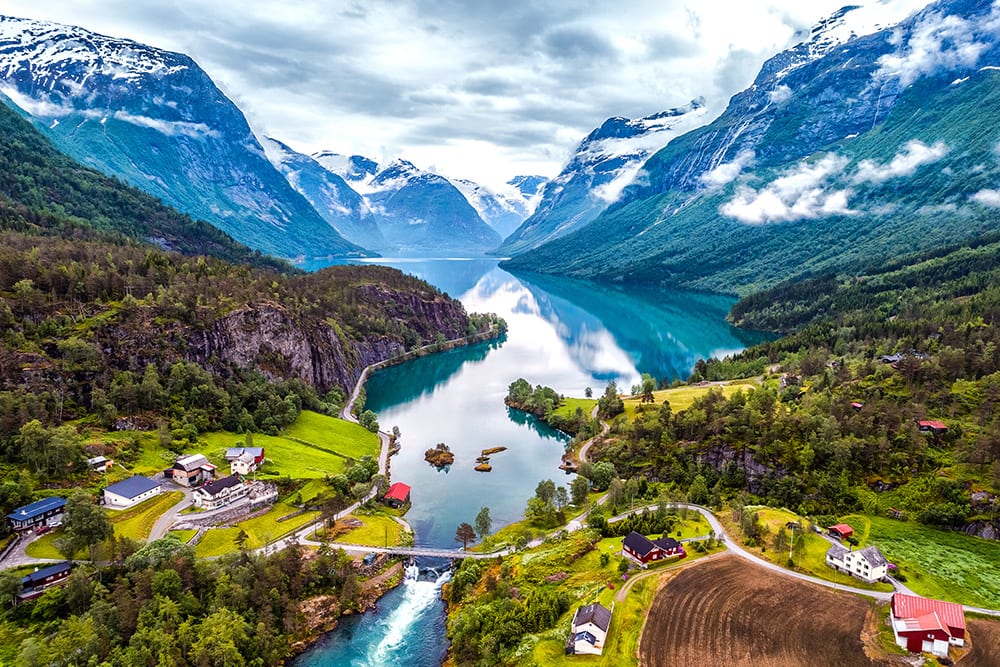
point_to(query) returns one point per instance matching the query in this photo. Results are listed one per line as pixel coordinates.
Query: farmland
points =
(985, 639)
(681, 398)
(727, 612)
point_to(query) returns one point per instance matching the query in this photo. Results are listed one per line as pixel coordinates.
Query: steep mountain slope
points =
(47, 193)
(420, 212)
(606, 161)
(343, 208)
(156, 120)
(840, 152)
(355, 169)
(503, 211)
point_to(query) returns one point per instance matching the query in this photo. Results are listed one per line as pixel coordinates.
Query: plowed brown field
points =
(985, 638)
(735, 614)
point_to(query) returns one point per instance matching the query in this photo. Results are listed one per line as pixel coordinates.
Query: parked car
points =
(41, 530)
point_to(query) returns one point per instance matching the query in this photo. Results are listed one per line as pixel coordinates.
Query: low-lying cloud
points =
(987, 197)
(914, 155)
(727, 172)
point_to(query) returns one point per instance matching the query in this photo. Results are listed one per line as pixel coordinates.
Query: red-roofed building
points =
(932, 426)
(922, 625)
(841, 531)
(397, 495)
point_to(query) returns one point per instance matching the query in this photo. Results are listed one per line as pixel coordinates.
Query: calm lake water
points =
(565, 334)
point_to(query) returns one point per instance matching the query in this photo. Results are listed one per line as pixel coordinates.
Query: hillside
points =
(842, 152)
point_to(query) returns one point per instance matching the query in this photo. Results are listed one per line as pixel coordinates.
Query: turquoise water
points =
(565, 334)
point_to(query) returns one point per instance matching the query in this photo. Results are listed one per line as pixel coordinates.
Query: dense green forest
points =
(45, 192)
(158, 605)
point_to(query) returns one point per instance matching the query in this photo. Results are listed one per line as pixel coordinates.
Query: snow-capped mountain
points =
(156, 120)
(355, 169)
(421, 212)
(503, 211)
(606, 161)
(847, 149)
(343, 208)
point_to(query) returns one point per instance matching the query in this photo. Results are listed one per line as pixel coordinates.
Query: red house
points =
(932, 426)
(397, 495)
(33, 585)
(841, 531)
(644, 550)
(925, 625)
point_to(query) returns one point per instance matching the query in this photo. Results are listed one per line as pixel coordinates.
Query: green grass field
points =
(137, 522)
(681, 398)
(569, 406)
(45, 546)
(261, 530)
(378, 530)
(937, 563)
(183, 535)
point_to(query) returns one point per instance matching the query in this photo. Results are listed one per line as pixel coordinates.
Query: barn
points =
(923, 625)
(397, 495)
(841, 531)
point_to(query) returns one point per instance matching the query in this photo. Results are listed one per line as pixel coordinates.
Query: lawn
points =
(937, 563)
(379, 530)
(45, 546)
(569, 406)
(344, 437)
(681, 398)
(183, 535)
(261, 530)
(137, 522)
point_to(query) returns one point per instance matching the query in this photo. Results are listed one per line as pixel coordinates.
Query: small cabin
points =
(932, 426)
(397, 495)
(841, 531)
(34, 584)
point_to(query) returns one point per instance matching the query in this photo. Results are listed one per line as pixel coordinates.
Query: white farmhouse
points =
(220, 492)
(589, 630)
(868, 564)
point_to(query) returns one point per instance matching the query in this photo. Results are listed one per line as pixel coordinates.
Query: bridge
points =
(417, 551)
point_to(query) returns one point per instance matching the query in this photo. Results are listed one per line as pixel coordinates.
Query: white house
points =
(868, 564)
(589, 630)
(220, 492)
(244, 464)
(129, 492)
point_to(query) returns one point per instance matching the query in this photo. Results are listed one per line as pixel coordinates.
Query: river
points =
(566, 334)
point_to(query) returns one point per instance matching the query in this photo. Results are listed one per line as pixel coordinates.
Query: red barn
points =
(641, 548)
(397, 495)
(841, 531)
(925, 625)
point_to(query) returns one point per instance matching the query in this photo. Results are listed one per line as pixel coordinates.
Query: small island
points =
(493, 450)
(439, 456)
(484, 467)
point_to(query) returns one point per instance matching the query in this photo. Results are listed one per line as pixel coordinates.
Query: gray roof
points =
(593, 613)
(191, 462)
(873, 556)
(236, 452)
(219, 485)
(133, 487)
(837, 551)
(638, 543)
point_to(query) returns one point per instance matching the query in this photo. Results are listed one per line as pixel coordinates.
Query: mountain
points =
(420, 212)
(46, 193)
(343, 208)
(503, 211)
(156, 120)
(605, 162)
(355, 169)
(849, 148)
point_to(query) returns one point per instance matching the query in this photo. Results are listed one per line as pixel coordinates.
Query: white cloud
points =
(727, 171)
(802, 192)
(780, 94)
(937, 43)
(167, 127)
(914, 155)
(987, 197)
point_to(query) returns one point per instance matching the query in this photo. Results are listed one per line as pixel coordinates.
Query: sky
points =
(477, 89)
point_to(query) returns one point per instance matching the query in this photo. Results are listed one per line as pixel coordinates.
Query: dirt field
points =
(731, 613)
(985, 636)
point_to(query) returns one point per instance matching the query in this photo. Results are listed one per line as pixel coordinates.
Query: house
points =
(220, 492)
(129, 492)
(857, 405)
(34, 584)
(924, 625)
(589, 630)
(244, 460)
(397, 495)
(841, 531)
(37, 513)
(868, 564)
(932, 426)
(640, 548)
(191, 470)
(890, 358)
(100, 464)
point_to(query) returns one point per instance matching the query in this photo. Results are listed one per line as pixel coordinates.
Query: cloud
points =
(800, 193)
(987, 197)
(169, 128)
(938, 43)
(780, 94)
(914, 155)
(727, 171)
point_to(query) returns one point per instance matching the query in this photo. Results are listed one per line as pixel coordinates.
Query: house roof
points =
(837, 552)
(398, 491)
(97, 460)
(236, 452)
(842, 528)
(932, 423)
(913, 607)
(133, 487)
(40, 575)
(193, 462)
(593, 613)
(638, 543)
(667, 543)
(36, 508)
(923, 623)
(220, 485)
(873, 556)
